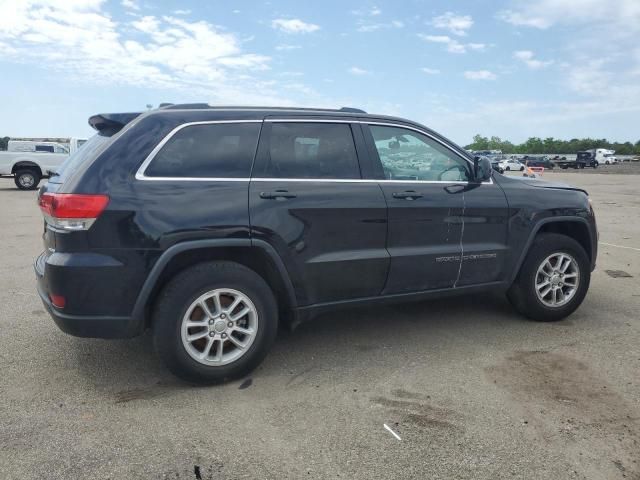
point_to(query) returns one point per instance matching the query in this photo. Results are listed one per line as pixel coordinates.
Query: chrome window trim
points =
(141, 176)
(140, 173)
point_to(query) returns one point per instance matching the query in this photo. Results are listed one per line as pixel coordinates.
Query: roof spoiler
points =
(112, 122)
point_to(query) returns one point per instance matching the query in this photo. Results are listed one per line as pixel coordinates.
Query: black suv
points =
(212, 226)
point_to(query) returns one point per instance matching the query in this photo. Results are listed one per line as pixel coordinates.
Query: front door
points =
(307, 199)
(423, 183)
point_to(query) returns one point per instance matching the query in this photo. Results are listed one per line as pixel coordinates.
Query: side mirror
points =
(482, 169)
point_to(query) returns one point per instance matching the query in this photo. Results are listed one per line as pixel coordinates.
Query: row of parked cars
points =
(588, 158)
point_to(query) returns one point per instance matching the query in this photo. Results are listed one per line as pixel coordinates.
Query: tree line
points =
(537, 145)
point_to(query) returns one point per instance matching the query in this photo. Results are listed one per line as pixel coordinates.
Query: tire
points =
(581, 166)
(521, 169)
(178, 298)
(523, 295)
(607, 162)
(508, 168)
(27, 179)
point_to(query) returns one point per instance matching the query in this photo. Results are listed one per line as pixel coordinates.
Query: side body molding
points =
(137, 324)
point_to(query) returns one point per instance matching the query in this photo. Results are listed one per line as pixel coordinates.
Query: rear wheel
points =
(214, 322)
(553, 280)
(508, 168)
(27, 179)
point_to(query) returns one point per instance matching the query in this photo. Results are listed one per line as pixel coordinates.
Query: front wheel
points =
(214, 322)
(508, 168)
(521, 169)
(27, 179)
(553, 279)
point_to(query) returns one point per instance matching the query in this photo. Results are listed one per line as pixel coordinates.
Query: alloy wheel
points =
(219, 327)
(557, 280)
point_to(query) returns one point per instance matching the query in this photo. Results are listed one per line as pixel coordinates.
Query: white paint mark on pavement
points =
(392, 432)
(619, 246)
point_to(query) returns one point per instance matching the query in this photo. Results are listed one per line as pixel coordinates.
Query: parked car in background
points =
(540, 161)
(212, 226)
(28, 161)
(495, 164)
(511, 164)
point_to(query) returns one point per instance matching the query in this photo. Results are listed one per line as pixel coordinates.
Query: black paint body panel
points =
(334, 243)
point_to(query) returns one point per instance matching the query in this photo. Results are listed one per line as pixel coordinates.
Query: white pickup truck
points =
(28, 161)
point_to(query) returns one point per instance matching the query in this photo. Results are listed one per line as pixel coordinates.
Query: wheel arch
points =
(25, 164)
(576, 228)
(257, 255)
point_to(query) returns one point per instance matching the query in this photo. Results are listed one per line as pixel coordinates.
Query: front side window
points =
(222, 150)
(408, 155)
(311, 150)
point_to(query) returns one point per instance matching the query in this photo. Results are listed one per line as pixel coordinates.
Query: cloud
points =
(293, 25)
(543, 14)
(130, 4)
(372, 27)
(358, 71)
(453, 46)
(286, 47)
(430, 71)
(372, 12)
(182, 12)
(456, 24)
(526, 56)
(85, 43)
(479, 75)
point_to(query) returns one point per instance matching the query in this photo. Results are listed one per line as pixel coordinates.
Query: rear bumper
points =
(93, 326)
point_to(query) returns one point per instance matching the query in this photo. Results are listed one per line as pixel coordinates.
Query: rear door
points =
(308, 200)
(423, 183)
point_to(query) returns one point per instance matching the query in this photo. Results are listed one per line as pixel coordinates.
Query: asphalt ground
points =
(472, 389)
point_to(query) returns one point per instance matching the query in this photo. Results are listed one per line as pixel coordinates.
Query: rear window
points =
(223, 150)
(89, 151)
(311, 150)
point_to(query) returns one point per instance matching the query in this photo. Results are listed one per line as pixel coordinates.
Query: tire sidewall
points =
(526, 298)
(183, 292)
(33, 174)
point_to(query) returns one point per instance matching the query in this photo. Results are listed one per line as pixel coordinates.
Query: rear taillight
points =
(70, 211)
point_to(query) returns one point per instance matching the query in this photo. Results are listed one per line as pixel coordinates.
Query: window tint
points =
(311, 150)
(44, 148)
(409, 155)
(223, 150)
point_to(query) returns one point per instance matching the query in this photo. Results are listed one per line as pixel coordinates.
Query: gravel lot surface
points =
(472, 389)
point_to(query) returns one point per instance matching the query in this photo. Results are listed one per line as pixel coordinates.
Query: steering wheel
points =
(454, 167)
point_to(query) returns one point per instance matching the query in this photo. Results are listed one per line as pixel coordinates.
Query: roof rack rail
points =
(200, 106)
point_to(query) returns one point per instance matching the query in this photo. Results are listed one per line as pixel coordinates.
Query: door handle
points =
(407, 195)
(278, 194)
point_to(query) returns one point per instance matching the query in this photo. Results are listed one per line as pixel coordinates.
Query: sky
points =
(510, 68)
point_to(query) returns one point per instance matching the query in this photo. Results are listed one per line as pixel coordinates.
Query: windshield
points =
(90, 150)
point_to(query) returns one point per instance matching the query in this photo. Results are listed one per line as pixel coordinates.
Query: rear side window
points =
(311, 150)
(222, 150)
(89, 152)
(44, 148)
